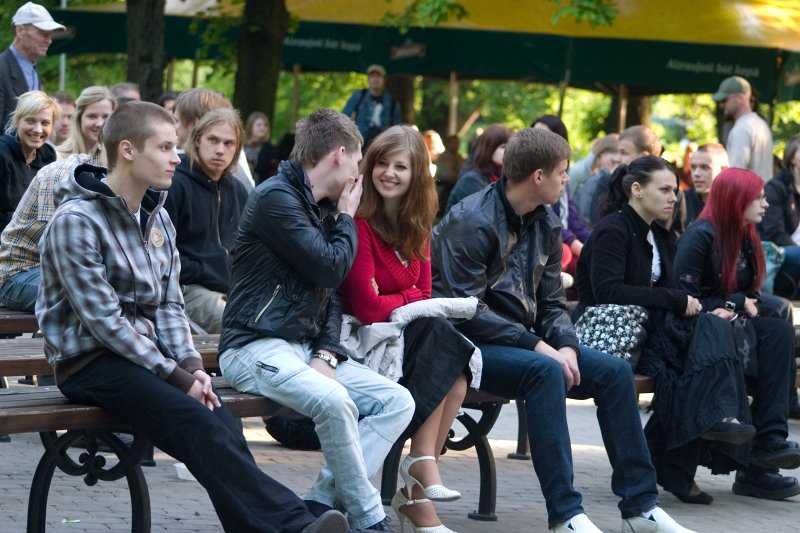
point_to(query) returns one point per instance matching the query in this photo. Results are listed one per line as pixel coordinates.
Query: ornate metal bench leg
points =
(522, 433)
(92, 467)
(488, 491)
(390, 467)
(476, 436)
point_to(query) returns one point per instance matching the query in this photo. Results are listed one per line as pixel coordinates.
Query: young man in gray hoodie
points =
(111, 312)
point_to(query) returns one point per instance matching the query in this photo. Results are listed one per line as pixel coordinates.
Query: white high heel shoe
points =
(437, 493)
(399, 500)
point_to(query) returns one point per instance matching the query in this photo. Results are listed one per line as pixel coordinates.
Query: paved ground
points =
(183, 506)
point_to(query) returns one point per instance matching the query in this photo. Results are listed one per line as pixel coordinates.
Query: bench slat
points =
(35, 409)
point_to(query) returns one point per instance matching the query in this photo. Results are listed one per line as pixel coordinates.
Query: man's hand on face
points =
(351, 196)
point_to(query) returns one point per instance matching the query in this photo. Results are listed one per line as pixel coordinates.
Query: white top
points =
(750, 145)
(655, 269)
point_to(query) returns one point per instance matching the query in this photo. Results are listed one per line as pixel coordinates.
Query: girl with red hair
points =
(720, 261)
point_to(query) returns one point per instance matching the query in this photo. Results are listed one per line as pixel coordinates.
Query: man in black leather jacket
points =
(503, 246)
(281, 328)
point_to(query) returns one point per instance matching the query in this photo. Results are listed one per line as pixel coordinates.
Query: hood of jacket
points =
(87, 185)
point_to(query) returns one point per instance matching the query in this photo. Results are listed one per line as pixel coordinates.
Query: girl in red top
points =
(392, 268)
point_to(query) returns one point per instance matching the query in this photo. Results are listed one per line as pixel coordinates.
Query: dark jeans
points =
(208, 442)
(514, 372)
(776, 376)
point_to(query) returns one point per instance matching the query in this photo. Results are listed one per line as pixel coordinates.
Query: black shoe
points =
(775, 452)
(700, 498)
(731, 431)
(330, 522)
(316, 508)
(765, 485)
(5, 438)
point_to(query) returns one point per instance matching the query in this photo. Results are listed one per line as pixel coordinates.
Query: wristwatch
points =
(328, 358)
(730, 306)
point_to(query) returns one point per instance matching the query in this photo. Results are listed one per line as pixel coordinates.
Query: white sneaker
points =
(579, 523)
(656, 521)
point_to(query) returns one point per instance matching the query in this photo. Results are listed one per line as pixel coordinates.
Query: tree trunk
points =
(402, 88)
(146, 58)
(639, 111)
(264, 27)
(434, 110)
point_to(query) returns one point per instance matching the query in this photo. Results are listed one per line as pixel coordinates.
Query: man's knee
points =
(337, 404)
(401, 403)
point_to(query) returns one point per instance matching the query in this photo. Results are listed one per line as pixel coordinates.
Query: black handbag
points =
(618, 330)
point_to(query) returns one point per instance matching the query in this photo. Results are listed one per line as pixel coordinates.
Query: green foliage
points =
(785, 124)
(316, 90)
(682, 117)
(424, 13)
(595, 12)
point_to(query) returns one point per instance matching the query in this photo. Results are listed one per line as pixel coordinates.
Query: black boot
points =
(765, 484)
(774, 451)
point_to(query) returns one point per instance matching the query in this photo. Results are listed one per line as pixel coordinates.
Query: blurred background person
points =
(484, 167)
(62, 129)
(94, 105)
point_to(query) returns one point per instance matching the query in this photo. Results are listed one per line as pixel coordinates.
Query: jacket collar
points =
(515, 221)
(641, 228)
(196, 174)
(297, 177)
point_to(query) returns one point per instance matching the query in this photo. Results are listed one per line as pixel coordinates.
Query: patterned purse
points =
(617, 330)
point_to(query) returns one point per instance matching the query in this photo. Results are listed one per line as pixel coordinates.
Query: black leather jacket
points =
(783, 214)
(291, 255)
(512, 264)
(698, 269)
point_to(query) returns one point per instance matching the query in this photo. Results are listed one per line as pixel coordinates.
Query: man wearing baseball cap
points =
(373, 109)
(749, 142)
(33, 32)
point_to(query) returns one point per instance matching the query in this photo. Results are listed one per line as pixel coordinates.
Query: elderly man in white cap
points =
(749, 143)
(33, 32)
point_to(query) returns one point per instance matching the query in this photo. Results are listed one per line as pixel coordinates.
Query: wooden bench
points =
(44, 410)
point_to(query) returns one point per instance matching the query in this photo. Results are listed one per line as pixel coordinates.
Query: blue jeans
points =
(19, 292)
(353, 450)
(515, 372)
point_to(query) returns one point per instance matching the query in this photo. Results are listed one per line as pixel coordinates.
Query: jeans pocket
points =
(275, 376)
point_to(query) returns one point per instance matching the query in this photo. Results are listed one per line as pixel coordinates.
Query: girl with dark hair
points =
(392, 268)
(628, 260)
(720, 261)
(484, 167)
(552, 123)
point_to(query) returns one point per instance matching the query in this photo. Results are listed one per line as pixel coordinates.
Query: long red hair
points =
(733, 190)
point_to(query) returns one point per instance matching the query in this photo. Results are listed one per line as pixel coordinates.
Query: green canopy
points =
(646, 49)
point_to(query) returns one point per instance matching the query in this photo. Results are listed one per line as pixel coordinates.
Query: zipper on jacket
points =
(271, 299)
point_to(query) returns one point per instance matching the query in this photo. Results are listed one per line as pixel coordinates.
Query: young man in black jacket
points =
(281, 328)
(503, 246)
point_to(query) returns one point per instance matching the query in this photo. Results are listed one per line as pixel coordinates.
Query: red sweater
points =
(397, 284)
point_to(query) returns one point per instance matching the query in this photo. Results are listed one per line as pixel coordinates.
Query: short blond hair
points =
(31, 103)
